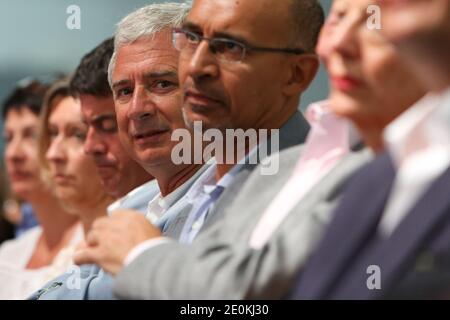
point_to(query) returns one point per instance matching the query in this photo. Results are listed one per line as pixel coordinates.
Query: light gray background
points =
(34, 40)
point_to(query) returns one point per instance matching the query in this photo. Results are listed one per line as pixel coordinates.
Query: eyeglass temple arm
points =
(287, 50)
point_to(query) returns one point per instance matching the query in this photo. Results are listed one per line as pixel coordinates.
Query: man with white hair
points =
(144, 63)
(243, 65)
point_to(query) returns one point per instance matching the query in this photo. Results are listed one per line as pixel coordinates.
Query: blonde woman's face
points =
(73, 172)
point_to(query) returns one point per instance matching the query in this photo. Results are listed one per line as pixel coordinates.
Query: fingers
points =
(92, 239)
(101, 223)
(82, 245)
(124, 213)
(86, 256)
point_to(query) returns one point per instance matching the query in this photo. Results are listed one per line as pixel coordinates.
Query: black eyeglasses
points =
(224, 49)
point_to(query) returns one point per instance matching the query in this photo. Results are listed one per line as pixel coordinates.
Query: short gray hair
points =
(146, 22)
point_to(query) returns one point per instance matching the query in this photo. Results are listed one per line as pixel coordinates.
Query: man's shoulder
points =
(72, 285)
(138, 198)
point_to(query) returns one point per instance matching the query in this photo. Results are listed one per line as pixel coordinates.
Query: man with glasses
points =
(243, 69)
(224, 49)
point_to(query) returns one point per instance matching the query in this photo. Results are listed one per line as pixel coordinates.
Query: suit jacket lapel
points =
(348, 231)
(330, 187)
(400, 252)
(293, 132)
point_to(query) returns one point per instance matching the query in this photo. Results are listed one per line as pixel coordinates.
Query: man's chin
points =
(210, 121)
(111, 186)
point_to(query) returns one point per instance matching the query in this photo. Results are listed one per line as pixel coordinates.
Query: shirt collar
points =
(160, 204)
(208, 178)
(430, 115)
(207, 182)
(319, 113)
(119, 202)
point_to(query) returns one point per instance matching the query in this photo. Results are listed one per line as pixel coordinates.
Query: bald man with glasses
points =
(241, 66)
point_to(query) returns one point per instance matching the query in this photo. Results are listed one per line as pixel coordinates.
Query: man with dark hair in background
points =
(121, 176)
(119, 173)
(243, 65)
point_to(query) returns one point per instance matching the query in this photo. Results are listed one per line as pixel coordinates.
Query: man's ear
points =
(303, 70)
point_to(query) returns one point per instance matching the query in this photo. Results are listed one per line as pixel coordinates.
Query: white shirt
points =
(18, 283)
(419, 143)
(137, 198)
(200, 191)
(159, 205)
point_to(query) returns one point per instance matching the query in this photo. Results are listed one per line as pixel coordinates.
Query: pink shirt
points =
(330, 139)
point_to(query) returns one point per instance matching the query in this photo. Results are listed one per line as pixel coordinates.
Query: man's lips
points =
(149, 136)
(18, 175)
(198, 98)
(62, 179)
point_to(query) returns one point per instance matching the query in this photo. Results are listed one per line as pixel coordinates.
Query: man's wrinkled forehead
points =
(95, 105)
(147, 54)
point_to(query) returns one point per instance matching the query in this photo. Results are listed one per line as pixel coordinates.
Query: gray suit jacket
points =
(220, 264)
(292, 133)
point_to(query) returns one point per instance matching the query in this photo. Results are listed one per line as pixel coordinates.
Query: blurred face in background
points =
(21, 152)
(421, 31)
(370, 83)
(409, 20)
(119, 173)
(73, 172)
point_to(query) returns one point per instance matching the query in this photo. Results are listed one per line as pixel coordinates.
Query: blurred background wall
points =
(34, 39)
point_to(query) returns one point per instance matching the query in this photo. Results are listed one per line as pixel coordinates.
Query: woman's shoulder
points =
(18, 250)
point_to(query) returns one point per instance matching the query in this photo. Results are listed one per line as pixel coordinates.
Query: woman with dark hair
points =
(41, 253)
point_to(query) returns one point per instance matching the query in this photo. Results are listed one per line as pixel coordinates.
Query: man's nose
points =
(14, 151)
(94, 144)
(56, 151)
(141, 106)
(203, 63)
